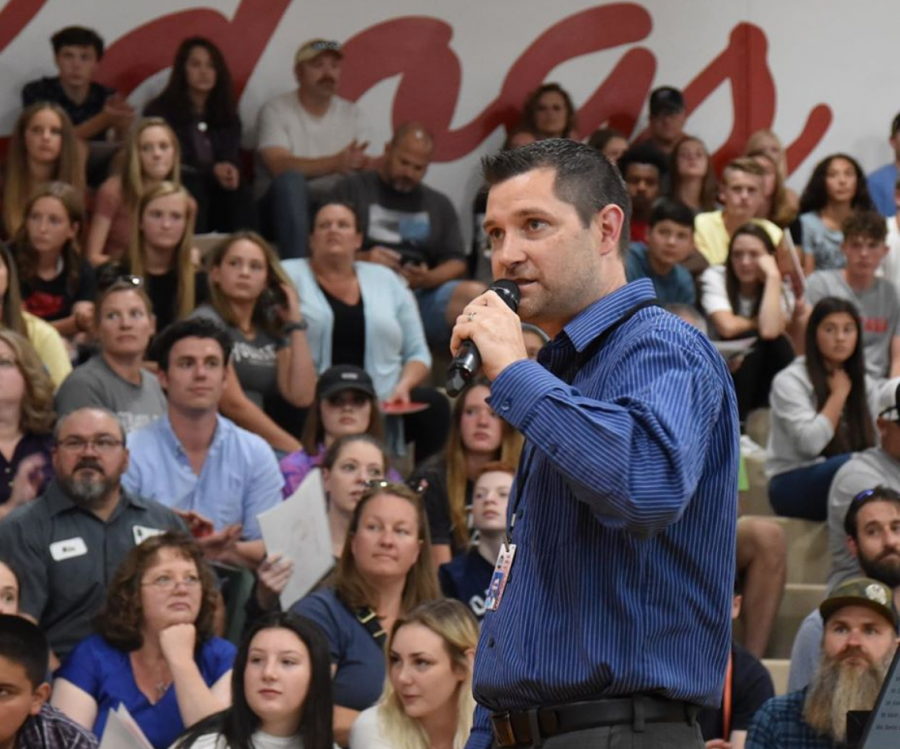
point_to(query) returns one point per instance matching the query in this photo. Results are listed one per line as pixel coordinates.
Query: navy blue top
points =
(466, 578)
(359, 678)
(625, 508)
(676, 287)
(105, 673)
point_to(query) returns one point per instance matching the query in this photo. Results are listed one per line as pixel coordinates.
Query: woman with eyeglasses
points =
(385, 571)
(154, 650)
(114, 378)
(26, 423)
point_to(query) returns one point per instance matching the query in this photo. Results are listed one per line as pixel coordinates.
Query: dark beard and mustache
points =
(837, 688)
(885, 569)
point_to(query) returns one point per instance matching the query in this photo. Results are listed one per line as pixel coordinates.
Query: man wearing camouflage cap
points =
(857, 647)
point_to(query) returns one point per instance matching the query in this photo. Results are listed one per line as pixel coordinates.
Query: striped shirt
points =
(623, 514)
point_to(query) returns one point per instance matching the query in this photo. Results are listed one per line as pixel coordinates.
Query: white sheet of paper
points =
(298, 528)
(122, 732)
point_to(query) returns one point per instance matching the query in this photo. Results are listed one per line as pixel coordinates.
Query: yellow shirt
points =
(49, 346)
(711, 237)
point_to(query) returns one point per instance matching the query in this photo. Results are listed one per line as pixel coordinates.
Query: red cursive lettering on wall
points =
(14, 17)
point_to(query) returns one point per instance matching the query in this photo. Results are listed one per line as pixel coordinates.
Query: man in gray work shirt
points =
(68, 543)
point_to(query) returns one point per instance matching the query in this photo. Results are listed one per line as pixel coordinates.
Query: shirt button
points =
(505, 406)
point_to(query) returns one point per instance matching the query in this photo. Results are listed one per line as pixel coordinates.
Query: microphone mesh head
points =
(508, 291)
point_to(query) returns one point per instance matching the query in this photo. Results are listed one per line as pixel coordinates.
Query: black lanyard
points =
(568, 377)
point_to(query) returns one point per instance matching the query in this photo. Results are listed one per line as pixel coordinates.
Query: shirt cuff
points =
(518, 388)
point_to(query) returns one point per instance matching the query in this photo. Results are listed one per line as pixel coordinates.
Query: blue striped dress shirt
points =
(623, 515)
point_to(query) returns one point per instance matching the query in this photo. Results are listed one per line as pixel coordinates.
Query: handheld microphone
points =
(467, 361)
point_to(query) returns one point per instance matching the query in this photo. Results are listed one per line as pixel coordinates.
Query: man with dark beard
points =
(857, 648)
(68, 543)
(872, 537)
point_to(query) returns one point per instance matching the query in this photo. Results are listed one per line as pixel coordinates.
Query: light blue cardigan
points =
(394, 332)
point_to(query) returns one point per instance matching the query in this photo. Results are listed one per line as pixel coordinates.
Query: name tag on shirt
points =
(142, 533)
(500, 577)
(68, 549)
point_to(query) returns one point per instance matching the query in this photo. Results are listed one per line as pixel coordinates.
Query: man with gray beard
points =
(857, 647)
(68, 543)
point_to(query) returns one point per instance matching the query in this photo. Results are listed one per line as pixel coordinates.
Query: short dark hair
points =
(77, 36)
(666, 209)
(23, 643)
(879, 494)
(867, 224)
(194, 327)
(644, 153)
(584, 177)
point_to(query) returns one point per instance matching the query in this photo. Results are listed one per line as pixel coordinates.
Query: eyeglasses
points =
(107, 283)
(167, 582)
(890, 414)
(321, 46)
(100, 444)
(384, 484)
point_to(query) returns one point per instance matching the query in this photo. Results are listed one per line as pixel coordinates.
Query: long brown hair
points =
(17, 182)
(11, 301)
(185, 301)
(122, 615)
(274, 275)
(732, 285)
(780, 211)
(709, 186)
(37, 415)
(457, 477)
(27, 257)
(421, 580)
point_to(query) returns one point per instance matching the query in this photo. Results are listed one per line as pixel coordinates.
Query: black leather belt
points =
(531, 726)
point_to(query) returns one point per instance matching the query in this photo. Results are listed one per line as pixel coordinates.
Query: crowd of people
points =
(159, 390)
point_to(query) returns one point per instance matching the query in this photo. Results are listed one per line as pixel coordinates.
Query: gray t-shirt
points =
(95, 384)
(865, 470)
(879, 307)
(255, 360)
(806, 652)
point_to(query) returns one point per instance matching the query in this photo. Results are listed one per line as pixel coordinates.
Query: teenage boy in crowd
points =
(876, 298)
(27, 721)
(669, 242)
(92, 107)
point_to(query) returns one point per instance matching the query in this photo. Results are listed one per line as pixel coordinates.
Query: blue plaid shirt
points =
(624, 516)
(779, 724)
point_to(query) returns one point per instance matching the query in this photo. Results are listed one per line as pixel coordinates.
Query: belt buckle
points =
(503, 730)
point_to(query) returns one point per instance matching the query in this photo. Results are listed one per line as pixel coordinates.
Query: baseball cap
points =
(888, 405)
(314, 48)
(344, 377)
(861, 591)
(666, 100)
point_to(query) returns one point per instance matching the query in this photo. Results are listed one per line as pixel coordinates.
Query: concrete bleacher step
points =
(799, 599)
(807, 545)
(778, 669)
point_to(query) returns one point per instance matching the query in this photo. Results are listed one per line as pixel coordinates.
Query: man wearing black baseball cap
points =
(667, 118)
(858, 645)
(883, 181)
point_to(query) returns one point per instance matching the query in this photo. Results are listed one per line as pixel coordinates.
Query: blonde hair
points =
(456, 626)
(274, 273)
(17, 182)
(185, 300)
(132, 169)
(781, 213)
(36, 411)
(457, 476)
(755, 143)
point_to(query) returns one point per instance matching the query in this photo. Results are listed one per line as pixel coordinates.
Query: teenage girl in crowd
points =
(42, 148)
(836, 188)
(151, 155)
(747, 298)
(57, 285)
(162, 253)
(691, 175)
(256, 302)
(199, 104)
(820, 412)
(477, 437)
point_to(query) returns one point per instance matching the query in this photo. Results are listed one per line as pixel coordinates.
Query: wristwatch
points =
(292, 326)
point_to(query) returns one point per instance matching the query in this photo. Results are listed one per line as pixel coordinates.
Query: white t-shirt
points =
(260, 741)
(283, 122)
(367, 733)
(714, 295)
(890, 266)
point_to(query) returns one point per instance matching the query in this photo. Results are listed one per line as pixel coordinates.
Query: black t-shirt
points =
(437, 503)
(751, 686)
(163, 293)
(348, 337)
(53, 300)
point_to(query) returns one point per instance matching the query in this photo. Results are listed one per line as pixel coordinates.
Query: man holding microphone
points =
(611, 621)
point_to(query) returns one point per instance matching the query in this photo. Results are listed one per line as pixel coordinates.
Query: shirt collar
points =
(174, 444)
